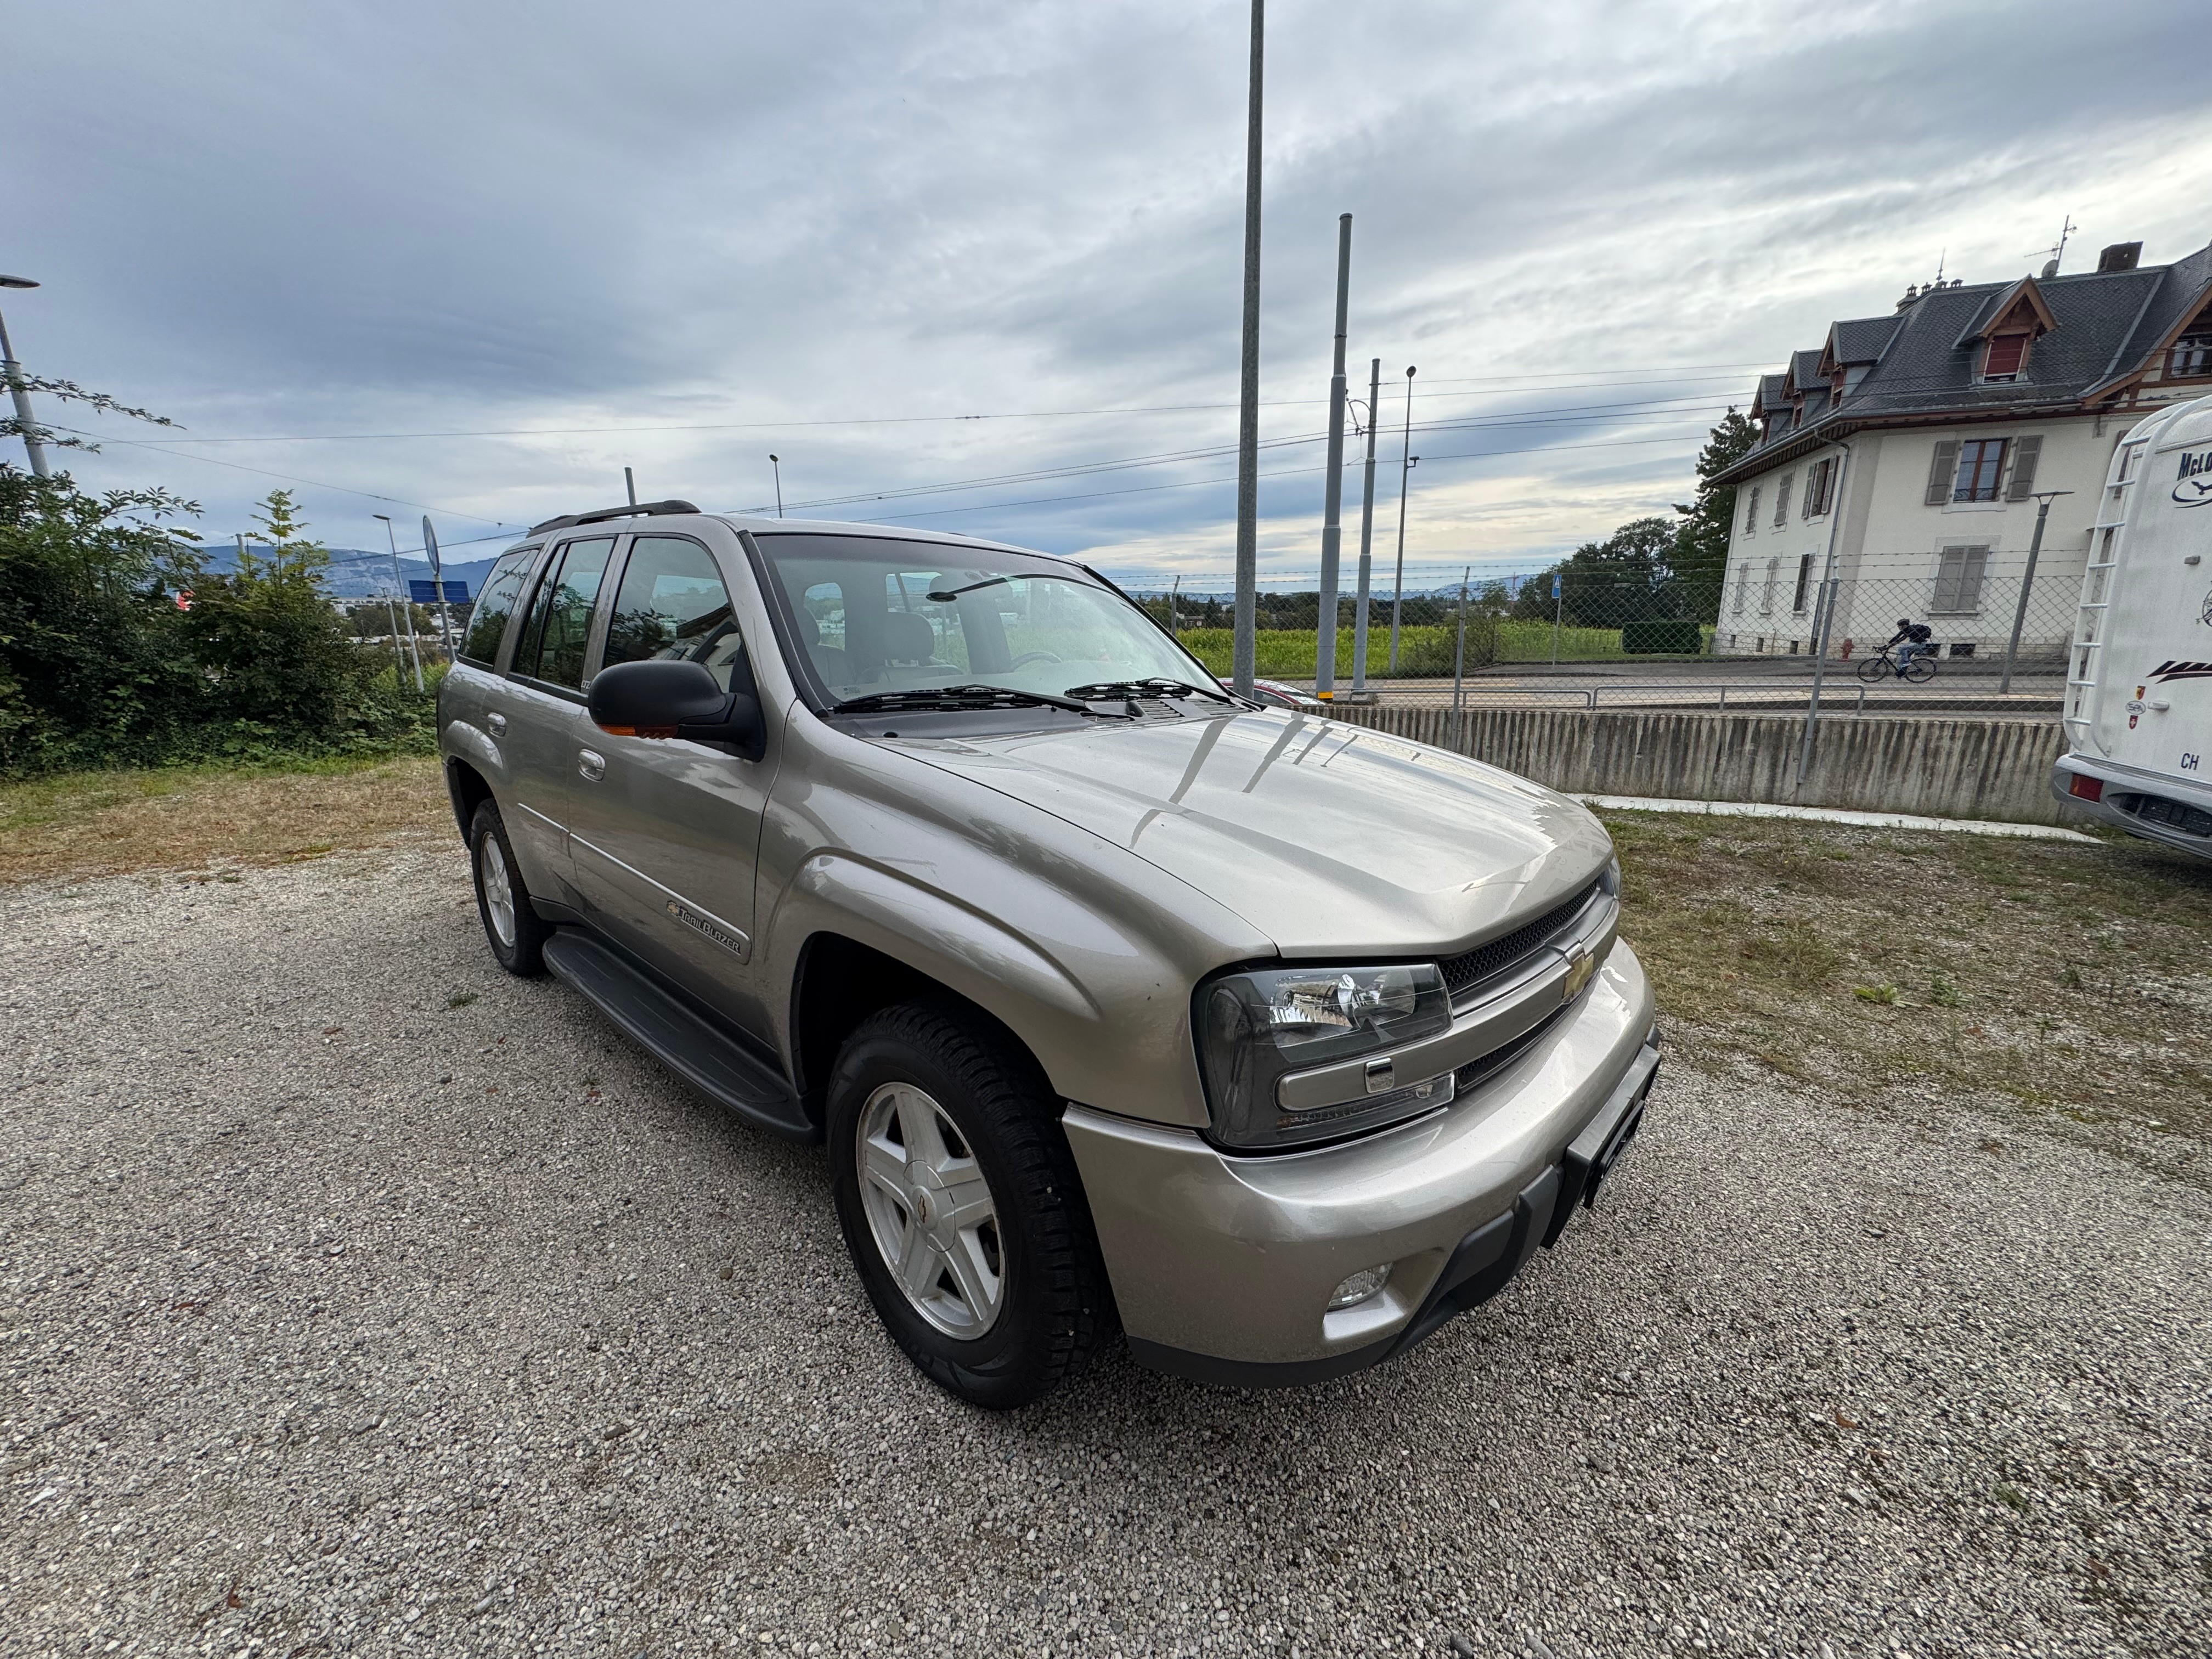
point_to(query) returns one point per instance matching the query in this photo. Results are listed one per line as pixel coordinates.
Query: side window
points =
(487, 624)
(561, 621)
(672, 603)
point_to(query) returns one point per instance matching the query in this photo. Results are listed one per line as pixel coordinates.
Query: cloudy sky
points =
(476, 257)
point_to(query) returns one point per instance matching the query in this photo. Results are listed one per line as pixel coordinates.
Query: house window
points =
(1766, 596)
(1782, 500)
(1981, 465)
(2192, 353)
(1804, 581)
(2004, 356)
(1751, 514)
(1820, 483)
(1742, 581)
(1959, 581)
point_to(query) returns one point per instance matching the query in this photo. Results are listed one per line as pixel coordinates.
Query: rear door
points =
(665, 833)
(546, 722)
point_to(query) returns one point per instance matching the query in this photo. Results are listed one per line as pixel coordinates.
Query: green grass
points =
(1287, 653)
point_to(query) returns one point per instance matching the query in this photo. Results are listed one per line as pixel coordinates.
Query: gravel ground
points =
(356, 1298)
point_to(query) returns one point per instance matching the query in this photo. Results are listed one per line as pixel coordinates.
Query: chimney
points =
(1911, 295)
(2121, 255)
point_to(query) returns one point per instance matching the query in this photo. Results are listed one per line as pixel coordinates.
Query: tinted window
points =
(487, 622)
(560, 620)
(673, 604)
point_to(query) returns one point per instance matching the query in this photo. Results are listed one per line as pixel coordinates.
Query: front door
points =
(664, 832)
(546, 722)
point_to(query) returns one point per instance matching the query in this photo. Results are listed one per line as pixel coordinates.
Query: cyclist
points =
(1912, 639)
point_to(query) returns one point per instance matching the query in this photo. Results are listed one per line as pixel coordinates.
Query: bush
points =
(101, 665)
(1681, 636)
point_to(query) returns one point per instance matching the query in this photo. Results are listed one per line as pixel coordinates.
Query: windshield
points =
(887, 615)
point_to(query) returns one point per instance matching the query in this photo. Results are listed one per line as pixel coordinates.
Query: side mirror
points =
(657, 699)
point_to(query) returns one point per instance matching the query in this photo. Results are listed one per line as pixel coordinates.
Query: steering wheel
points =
(1028, 656)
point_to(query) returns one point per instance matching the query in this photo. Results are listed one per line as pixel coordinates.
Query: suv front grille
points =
(1470, 968)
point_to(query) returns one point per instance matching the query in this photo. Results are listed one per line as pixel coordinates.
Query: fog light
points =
(1358, 1288)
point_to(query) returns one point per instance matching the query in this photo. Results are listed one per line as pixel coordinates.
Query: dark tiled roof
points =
(1924, 357)
(1861, 339)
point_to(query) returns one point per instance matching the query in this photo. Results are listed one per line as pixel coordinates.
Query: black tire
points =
(1920, 670)
(1055, 1308)
(1874, 668)
(524, 955)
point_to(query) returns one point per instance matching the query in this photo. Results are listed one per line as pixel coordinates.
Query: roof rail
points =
(606, 513)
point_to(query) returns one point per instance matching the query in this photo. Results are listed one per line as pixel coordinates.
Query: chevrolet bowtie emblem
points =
(1580, 966)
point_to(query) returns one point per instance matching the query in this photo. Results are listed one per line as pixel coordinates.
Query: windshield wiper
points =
(944, 595)
(1130, 691)
(956, 698)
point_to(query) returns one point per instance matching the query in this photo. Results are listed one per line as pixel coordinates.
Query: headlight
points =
(1253, 1028)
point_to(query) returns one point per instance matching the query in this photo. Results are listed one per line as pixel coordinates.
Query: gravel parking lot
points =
(356, 1298)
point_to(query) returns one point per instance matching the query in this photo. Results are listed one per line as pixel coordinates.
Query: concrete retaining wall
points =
(1964, 769)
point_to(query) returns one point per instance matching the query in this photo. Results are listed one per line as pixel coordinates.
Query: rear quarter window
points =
(495, 605)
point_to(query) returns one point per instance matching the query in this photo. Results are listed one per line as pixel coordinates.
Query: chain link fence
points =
(1762, 612)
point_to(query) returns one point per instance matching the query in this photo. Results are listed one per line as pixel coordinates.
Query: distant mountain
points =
(356, 572)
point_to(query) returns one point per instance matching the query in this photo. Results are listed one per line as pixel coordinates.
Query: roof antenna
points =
(629, 482)
(2058, 252)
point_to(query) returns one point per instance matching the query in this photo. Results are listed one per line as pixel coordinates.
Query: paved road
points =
(341, 1320)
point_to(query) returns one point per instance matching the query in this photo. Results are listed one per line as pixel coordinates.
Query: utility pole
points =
(1827, 621)
(1559, 610)
(1244, 649)
(1366, 538)
(776, 461)
(1459, 654)
(400, 582)
(438, 577)
(1174, 592)
(13, 372)
(1332, 527)
(1406, 459)
(2043, 500)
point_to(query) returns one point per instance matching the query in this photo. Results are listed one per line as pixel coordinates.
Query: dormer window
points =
(2005, 356)
(2192, 353)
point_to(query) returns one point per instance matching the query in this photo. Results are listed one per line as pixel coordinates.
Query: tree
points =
(68, 391)
(1701, 540)
(90, 663)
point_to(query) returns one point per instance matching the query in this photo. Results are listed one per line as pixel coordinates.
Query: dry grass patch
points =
(2070, 977)
(205, 820)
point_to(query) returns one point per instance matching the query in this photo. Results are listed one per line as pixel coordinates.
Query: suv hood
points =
(1327, 836)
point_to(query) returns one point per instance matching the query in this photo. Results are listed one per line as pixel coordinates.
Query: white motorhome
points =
(2139, 682)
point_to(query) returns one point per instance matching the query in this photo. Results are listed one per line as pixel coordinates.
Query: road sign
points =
(423, 592)
(1555, 585)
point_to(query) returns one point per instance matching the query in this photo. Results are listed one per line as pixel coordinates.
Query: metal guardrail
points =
(1846, 695)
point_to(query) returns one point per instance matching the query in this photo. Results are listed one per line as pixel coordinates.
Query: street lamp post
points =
(1332, 527)
(2043, 500)
(776, 462)
(1406, 459)
(407, 605)
(14, 373)
(1243, 649)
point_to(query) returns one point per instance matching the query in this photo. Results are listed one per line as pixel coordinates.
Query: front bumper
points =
(2179, 812)
(1222, 1266)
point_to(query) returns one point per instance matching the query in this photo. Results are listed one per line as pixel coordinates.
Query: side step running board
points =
(714, 1063)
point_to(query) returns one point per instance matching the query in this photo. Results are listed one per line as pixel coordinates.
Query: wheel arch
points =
(468, 789)
(838, 983)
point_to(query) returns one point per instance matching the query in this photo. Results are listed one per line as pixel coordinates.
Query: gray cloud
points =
(409, 218)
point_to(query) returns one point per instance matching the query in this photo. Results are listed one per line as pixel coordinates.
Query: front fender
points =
(1106, 1016)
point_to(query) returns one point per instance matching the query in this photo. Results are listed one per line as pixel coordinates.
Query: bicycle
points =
(1882, 665)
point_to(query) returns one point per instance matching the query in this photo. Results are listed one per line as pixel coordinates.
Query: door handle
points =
(497, 723)
(591, 767)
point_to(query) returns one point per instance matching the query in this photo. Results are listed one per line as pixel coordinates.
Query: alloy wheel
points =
(498, 890)
(930, 1210)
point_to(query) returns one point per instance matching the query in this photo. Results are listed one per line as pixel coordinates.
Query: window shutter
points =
(1782, 500)
(2024, 453)
(1750, 518)
(1941, 471)
(1970, 578)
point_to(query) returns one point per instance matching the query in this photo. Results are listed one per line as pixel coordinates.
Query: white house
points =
(1917, 444)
